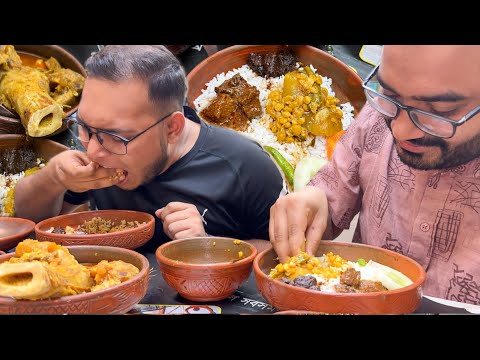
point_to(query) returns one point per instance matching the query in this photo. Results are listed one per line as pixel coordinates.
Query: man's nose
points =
(94, 148)
(403, 127)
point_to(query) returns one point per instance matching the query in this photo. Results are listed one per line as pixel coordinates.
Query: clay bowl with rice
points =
(120, 228)
(345, 82)
(206, 268)
(20, 157)
(288, 297)
(32, 56)
(278, 108)
(116, 299)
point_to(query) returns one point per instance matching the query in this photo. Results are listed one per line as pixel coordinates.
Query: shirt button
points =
(425, 227)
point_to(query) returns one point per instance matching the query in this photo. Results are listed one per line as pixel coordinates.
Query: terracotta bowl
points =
(66, 59)
(345, 82)
(128, 239)
(13, 230)
(117, 299)
(205, 268)
(287, 297)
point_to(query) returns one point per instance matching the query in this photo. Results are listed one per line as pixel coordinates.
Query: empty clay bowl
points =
(14, 230)
(288, 297)
(205, 268)
(345, 82)
(128, 239)
(10, 125)
(117, 299)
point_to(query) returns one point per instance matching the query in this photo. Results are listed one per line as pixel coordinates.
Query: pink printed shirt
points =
(431, 216)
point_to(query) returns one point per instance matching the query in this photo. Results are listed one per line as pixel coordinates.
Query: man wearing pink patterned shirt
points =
(409, 165)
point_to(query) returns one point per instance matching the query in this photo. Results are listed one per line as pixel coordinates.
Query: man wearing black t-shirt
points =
(145, 151)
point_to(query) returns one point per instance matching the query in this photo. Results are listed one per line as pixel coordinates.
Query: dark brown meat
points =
(59, 230)
(247, 95)
(305, 281)
(350, 277)
(370, 286)
(272, 64)
(236, 103)
(226, 111)
(342, 288)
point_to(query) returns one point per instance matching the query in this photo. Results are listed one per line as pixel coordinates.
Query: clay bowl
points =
(13, 230)
(10, 125)
(128, 239)
(205, 268)
(117, 299)
(287, 297)
(345, 82)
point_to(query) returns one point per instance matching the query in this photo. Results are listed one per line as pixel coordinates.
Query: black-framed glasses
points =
(114, 143)
(427, 122)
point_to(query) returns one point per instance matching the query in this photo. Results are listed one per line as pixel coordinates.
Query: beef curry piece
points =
(236, 103)
(272, 64)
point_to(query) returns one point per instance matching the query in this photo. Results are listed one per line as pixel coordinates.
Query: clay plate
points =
(13, 230)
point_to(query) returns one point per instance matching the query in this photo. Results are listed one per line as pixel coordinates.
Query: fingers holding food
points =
(76, 172)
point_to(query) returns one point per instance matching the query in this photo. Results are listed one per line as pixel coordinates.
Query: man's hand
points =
(181, 220)
(76, 172)
(297, 222)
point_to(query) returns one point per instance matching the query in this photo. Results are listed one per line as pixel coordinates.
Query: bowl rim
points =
(415, 284)
(87, 295)
(151, 220)
(19, 234)
(223, 265)
(231, 49)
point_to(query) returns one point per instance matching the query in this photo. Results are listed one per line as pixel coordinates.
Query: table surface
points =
(247, 299)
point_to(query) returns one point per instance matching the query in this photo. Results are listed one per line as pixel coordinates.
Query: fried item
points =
(109, 273)
(43, 270)
(26, 91)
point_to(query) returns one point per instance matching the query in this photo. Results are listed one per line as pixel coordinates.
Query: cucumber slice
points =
(305, 170)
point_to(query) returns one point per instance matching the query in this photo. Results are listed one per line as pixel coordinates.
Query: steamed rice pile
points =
(259, 129)
(7, 185)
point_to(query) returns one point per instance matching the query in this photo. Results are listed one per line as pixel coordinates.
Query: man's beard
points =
(156, 167)
(450, 156)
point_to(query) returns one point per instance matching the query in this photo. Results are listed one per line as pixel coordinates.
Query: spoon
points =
(5, 112)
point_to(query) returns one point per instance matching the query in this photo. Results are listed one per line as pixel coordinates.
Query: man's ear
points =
(175, 125)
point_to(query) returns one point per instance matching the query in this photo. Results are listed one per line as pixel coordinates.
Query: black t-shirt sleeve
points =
(261, 189)
(75, 198)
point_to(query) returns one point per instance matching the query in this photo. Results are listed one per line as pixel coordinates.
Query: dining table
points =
(248, 299)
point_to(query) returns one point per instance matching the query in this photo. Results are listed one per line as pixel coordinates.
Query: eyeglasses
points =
(427, 122)
(114, 143)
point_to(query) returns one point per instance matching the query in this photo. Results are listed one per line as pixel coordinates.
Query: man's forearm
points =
(38, 196)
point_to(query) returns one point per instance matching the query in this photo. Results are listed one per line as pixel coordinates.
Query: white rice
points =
(7, 182)
(259, 129)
